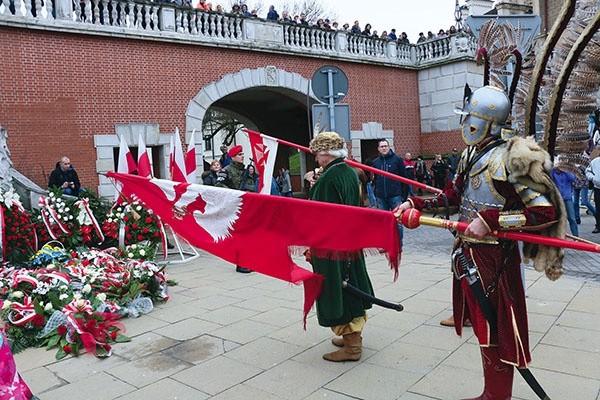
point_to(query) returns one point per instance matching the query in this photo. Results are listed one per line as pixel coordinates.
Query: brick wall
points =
(58, 90)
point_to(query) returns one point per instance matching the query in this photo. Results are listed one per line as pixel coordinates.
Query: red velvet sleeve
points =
(449, 191)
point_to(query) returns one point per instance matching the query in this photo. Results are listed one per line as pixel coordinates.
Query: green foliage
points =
(295, 163)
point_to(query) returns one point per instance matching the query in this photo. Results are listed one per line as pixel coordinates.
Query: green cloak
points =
(339, 184)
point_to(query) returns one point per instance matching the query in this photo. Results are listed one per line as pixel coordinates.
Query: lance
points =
(402, 179)
(412, 219)
(356, 164)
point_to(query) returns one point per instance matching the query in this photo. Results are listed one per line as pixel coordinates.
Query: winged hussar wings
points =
(567, 90)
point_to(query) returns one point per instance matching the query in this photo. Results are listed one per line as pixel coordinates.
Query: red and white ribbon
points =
(84, 206)
(49, 211)
(24, 277)
(21, 313)
(77, 306)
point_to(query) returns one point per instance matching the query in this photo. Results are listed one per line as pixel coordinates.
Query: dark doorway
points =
(368, 149)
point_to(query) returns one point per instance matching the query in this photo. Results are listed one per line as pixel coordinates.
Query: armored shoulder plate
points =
(531, 197)
(492, 163)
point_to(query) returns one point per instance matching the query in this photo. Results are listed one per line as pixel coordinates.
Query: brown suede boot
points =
(338, 341)
(498, 376)
(351, 350)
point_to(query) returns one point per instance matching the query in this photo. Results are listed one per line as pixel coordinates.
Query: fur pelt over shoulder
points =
(527, 163)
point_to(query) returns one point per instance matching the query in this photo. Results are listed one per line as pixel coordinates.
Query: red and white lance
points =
(412, 219)
(352, 163)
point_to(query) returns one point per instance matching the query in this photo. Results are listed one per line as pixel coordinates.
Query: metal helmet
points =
(485, 111)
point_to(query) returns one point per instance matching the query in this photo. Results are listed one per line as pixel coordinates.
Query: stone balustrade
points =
(169, 22)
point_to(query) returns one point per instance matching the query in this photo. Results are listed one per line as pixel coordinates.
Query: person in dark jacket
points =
(388, 192)
(212, 176)
(272, 15)
(65, 177)
(439, 168)
(452, 162)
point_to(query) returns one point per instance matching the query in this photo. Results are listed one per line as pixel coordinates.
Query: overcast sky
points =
(410, 16)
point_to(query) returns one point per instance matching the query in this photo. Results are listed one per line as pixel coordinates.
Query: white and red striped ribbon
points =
(21, 313)
(24, 277)
(84, 307)
(45, 205)
(85, 205)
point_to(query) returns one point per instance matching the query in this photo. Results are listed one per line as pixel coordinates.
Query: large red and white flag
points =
(176, 161)
(125, 165)
(245, 228)
(190, 159)
(143, 164)
(264, 152)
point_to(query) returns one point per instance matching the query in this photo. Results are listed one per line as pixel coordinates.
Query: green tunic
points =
(339, 184)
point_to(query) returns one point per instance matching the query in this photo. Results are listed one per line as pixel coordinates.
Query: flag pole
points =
(412, 218)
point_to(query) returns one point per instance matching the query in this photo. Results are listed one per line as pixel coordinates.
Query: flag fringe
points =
(337, 255)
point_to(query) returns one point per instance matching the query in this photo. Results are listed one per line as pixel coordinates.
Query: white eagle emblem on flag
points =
(214, 209)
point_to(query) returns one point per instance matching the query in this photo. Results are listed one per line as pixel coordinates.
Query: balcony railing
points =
(170, 22)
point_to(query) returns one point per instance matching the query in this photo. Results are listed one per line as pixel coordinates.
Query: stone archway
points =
(239, 93)
(268, 76)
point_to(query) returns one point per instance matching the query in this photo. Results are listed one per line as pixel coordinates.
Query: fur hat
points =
(235, 150)
(326, 142)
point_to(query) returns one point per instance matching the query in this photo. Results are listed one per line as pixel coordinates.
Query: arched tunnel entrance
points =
(278, 106)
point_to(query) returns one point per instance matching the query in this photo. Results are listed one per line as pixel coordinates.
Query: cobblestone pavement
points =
(435, 241)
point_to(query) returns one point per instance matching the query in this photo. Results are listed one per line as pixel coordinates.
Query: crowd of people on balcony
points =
(322, 23)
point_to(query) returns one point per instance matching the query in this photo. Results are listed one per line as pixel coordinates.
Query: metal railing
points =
(171, 22)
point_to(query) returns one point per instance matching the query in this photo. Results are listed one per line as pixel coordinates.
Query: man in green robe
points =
(343, 312)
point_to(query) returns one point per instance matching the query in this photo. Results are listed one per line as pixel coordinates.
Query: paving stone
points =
(166, 389)
(188, 328)
(41, 379)
(72, 369)
(146, 370)
(291, 380)
(245, 392)
(34, 358)
(374, 382)
(198, 350)
(244, 331)
(579, 339)
(143, 345)
(265, 353)
(96, 387)
(216, 375)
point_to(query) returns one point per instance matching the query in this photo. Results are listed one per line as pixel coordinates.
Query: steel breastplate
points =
(479, 192)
